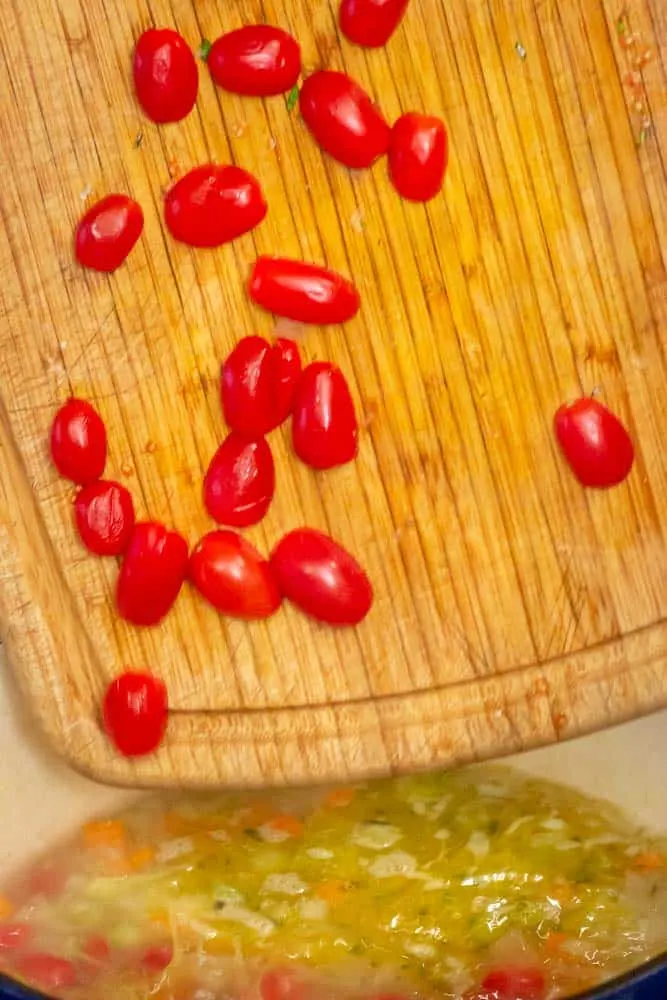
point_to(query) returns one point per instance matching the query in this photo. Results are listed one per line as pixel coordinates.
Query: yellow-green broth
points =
(415, 886)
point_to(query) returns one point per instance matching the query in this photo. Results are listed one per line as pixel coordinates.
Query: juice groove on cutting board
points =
(512, 607)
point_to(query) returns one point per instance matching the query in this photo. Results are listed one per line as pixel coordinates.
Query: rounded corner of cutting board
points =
(444, 727)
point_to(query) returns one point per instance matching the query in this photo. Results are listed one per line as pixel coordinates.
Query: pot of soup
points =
(496, 882)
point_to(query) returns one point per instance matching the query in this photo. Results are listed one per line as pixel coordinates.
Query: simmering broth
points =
(481, 883)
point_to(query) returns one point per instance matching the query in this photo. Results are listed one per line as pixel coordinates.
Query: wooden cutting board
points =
(513, 608)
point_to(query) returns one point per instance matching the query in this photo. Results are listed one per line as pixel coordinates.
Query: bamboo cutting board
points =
(513, 608)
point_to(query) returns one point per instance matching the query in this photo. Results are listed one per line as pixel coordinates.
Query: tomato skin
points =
(78, 442)
(321, 578)
(15, 935)
(514, 984)
(257, 60)
(212, 205)
(104, 516)
(370, 23)
(107, 232)
(152, 573)
(233, 576)
(257, 385)
(303, 292)
(324, 425)
(418, 155)
(166, 79)
(48, 972)
(595, 443)
(135, 712)
(240, 481)
(343, 119)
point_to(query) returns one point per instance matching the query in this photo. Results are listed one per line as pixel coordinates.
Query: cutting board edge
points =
(353, 741)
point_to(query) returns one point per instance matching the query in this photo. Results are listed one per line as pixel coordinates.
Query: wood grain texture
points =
(513, 608)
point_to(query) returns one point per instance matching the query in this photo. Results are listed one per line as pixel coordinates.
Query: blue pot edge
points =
(647, 982)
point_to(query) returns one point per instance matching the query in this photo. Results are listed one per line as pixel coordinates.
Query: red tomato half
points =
(104, 515)
(514, 984)
(282, 984)
(418, 154)
(595, 443)
(240, 481)
(107, 232)
(306, 293)
(320, 577)
(212, 205)
(134, 712)
(157, 957)
(232, 575)
(78, 442)
(165, 75)
(257, 385)
(371, 22)
(152, 573)
(324, 424)
(47, 972)
(257, 60)
(343, 119)
(14, 936)
(96, 947)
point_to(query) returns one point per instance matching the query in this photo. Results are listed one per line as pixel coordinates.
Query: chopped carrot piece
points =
(554, 942)
(177, 825)
(160, 917)
(141, 858)
(6, 908)
(332, 892)
(104, 833)
(257, 814)
(338, 798)
(217, 946)
(648, 861)
(288, 824)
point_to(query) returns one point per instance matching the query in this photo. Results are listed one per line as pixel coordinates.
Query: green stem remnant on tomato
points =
(292, 98)
(204, 49)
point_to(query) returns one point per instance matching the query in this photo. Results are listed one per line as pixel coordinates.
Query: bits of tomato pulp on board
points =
(343, 119)
(212, 205)
(107, 232)
(257, 60)
(240, 481)
(104, 517)
(324, 423)
(134, 712)
(257, 385)
(231, 575)
(595, 443)
(370, 23)
(303, 292)
(165, 72)
(152, 573)
(78, 442)
(418, 155)
(321, 578)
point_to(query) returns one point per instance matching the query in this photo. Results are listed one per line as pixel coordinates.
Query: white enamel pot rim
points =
(42, 800)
